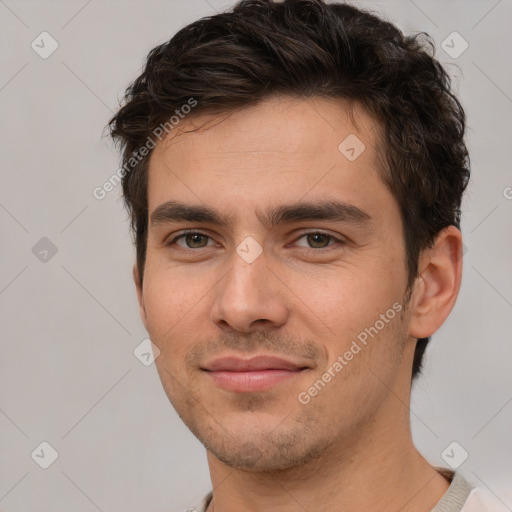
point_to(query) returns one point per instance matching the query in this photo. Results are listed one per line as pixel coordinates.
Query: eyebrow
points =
(339, 211)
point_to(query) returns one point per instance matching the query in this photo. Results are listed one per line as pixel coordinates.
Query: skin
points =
(304, 299)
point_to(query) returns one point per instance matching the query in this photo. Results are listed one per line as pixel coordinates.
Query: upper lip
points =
(237, 364)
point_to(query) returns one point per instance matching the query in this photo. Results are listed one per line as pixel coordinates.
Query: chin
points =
(264, 451)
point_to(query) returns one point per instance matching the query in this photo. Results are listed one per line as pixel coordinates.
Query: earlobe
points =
(140, 296)
(437, 287)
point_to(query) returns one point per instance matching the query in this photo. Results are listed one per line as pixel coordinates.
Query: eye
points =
(319, 240)
(193, 240)
(198, 240)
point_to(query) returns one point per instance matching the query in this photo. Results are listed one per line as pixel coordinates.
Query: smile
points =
(250, 375)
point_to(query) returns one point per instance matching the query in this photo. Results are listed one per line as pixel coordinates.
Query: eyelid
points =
(336, 238)
(184, 233)
(339, 239)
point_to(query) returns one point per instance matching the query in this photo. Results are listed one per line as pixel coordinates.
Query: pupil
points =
(316, 236)
(194, 237)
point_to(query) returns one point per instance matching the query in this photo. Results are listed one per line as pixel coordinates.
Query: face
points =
(285, 299)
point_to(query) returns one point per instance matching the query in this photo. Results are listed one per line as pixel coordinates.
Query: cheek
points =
(363, 354)
(172, 289)
(171, 299)
(357, 311)
(345, 299)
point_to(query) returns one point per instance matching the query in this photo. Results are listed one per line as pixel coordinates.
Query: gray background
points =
(70, 322)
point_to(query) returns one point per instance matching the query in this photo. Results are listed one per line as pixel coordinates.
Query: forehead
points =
(281, 148)
(309, 125)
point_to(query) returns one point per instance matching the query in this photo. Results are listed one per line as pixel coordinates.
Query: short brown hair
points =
(309, 48)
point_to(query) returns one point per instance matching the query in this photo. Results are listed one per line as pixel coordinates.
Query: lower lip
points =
(246, 382)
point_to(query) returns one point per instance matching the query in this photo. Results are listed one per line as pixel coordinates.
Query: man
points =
(294, 173)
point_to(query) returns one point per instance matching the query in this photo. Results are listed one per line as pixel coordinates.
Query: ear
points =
(438, 284)
(140, 297)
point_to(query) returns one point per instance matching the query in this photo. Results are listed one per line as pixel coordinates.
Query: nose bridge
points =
(249, 293)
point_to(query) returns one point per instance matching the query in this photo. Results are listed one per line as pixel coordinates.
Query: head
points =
(248, 112)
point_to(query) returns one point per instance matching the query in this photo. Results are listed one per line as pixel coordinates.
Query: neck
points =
(397, 479)
(376, 468)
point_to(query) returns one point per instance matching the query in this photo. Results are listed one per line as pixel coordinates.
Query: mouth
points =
(250, 375)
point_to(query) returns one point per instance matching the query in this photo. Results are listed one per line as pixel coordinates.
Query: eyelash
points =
(306, 249)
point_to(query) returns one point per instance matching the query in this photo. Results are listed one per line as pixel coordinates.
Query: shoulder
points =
(202, 505)
(481, 500)
(463, 496)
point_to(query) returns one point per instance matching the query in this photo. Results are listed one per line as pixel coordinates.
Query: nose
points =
(249, 297)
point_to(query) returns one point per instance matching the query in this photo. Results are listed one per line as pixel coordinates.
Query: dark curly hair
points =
(310, 48)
